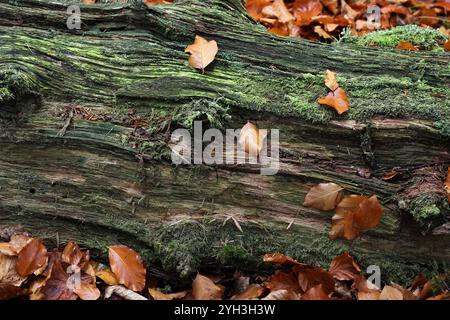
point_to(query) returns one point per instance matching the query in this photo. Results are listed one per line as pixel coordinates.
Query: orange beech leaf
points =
(72, 254)
(427, 17)
(404, 45)
(360, 284)
(204, 288)
(251, 139)
(158, 295)
(390, 175)
(395, 8)
(348, 12)
(8, 291)
(447, 45)
(128, 267)
(344, 267)
(253, 291)
(337, 100)
(324, 196)
(331, 5)
(87, 291)
(202, 51)
(278, 10)
(88, 1)
(107, 276)
(315, 293)
(281, 280)
(447, 184)
(305, 10)
(279, 258)
(442, 296)
(31, 258)
(354, 214)
(254, 7)
(309, 277)
(281, 295)
(391, 293)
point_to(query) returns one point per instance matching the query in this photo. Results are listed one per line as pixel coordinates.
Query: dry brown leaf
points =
(128, 267)
(87, 291)
(58, 286)
(251, 139)
(315, 293)
(204, 288)
(324, 196)
(19, 241)
(107, 276)
(321, 32)
(305, 10)
(88, 1)
(72, 254)
(281, 280)
(344, 267)
(309, 277)
(355, 214)
(253, 291)
(372, 295)
(32, 258)
(8, 273)
(158, 295)
(330, 80)
(442, 296)
(6, 249)
(391, 293)
(8, 291)
(279, 258)
(202, 51)
(255, 7)
(281, 295)
(447, 45)
(337, 100)
(278, 10)
(404, 45)
(150, 3)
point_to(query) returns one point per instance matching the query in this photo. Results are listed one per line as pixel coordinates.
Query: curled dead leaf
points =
(330, 80)
(32, 257)
(203, 288)
(315, 293)
(344, 267)
(251, 139)
(337, 100)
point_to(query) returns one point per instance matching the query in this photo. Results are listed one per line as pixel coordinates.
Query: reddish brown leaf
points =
(19, 241)
(8, 291)
(253, 291)
(72, 254)
(305, 10)
(447, 45)
(128, 267)
(447, 184)
(344, 267)
(281, 280)
(58, 286)
(31, 258)
(87, 291)
(324, 196)
(309, 277)
(254, 7)
(279, 11)
(107, 276)
(337, 100)
(158, 295)
(204, 288)
(281, 295)
(8, 273)
(6, 249)
(279, 258)
(315, 293)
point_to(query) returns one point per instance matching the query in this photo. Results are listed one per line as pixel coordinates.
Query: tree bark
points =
(77, 164)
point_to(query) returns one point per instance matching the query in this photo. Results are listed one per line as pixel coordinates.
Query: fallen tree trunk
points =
(77, 164)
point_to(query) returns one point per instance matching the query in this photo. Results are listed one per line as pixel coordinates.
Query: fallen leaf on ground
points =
(447, 184)
(315, 293)
(204, 288)
(391, 293)
(128, 267)
(309, 277)
(58, 286)
(337, 100)
(279, 258)
(281, 280)
(72, 254)
(253, 291)
(202, 52)
(324, 196)
(158, 295)
(281, 295)
(278, 10)
(107, 276)
(344, 267)
(8, 291)
(31, 258)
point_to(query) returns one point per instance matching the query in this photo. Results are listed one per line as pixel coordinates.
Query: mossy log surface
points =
(72, 167)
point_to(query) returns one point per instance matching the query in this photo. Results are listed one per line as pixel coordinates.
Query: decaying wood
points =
(108, 178)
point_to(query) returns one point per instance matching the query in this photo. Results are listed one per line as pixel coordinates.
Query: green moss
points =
(424, 38)
(425, 208)
(231, 252)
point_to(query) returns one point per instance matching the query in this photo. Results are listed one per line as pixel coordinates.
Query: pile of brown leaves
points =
(30, 271)
(325, 19)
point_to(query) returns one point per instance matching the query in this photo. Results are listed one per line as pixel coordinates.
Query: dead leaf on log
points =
(251, 139)
(324, 196)
(202, 52)
(31, 258)
(337, 100)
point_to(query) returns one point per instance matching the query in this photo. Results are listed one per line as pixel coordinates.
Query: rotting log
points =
(73, 167)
